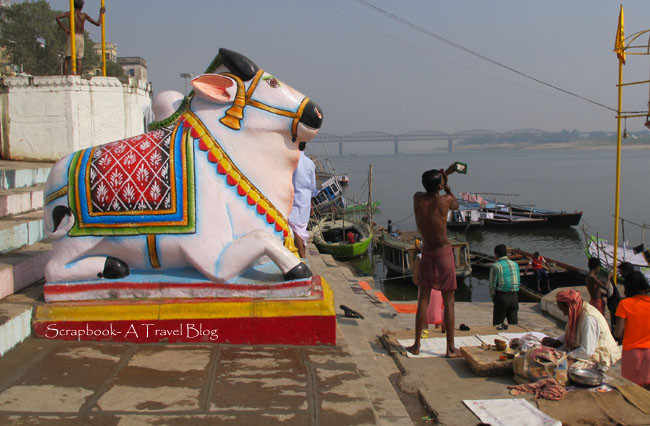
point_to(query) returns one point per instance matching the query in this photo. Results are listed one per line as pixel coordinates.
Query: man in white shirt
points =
(304, 187)
(588, 340)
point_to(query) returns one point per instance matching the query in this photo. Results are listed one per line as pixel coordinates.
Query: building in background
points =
(111, 51)
(134, 67)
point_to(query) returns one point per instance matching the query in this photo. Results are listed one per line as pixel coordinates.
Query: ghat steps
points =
(23, 250)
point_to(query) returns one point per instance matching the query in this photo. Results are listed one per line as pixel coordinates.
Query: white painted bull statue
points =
(209, 188)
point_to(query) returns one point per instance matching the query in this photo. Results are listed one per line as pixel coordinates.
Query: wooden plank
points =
(484, 362)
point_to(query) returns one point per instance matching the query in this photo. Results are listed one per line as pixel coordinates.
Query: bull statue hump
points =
(208, 188)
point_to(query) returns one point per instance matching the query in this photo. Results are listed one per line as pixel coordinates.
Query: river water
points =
(549, 179)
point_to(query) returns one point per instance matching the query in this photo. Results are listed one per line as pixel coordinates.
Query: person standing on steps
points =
(438, 266)
(80, 19)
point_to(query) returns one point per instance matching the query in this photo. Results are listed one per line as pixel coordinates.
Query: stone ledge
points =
(15, 325)
(23, 267)
(21, 174)
(71, 81)
(22, 200)
(21, 230)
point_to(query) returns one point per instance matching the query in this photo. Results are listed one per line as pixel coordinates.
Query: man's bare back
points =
(431, 217)
(597, 289)
(80, 19)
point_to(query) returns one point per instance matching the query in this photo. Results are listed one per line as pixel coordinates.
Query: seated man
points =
(587, 338)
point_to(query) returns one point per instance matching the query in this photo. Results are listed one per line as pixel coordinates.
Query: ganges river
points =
(549, 179)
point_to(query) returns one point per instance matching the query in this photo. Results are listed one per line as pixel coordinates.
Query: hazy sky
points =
(369, 72)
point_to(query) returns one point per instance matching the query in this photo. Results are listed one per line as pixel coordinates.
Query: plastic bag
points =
(540, 363)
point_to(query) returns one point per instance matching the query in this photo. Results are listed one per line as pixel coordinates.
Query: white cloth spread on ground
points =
(509, 412)
(437, 346)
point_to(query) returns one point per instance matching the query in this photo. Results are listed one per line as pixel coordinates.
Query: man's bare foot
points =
(414, 350)
(454, 354)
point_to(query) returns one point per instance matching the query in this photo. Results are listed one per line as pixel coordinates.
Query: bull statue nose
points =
(312, 115)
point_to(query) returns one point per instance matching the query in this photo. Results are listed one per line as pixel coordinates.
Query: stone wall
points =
(45, 118)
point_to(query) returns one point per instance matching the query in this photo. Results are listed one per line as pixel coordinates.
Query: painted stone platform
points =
(305, 320)
(262, 281)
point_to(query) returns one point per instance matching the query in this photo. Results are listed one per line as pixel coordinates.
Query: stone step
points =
(15, 325)
(361, 336)
(20, 200)
(21, 174)
(23, 267)
(21, 230)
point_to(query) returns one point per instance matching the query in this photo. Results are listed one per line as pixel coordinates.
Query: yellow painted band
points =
(56, 194)
(175, 311)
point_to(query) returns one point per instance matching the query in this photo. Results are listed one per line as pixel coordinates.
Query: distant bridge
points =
(425, 135)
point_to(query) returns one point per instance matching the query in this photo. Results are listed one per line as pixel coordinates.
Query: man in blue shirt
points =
(504, 285)
(304, 187)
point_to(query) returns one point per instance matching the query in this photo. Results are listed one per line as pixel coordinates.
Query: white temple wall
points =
(45, 118)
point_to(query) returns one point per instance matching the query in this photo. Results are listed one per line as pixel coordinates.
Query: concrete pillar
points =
(341, 149)
(396, 147)
(451, 148)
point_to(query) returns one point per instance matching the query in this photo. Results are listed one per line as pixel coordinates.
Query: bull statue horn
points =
(235, 113)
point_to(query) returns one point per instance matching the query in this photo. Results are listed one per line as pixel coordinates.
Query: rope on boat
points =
(402, 220)
(396, 278)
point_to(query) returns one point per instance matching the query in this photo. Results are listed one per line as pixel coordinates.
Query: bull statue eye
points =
(273, 82)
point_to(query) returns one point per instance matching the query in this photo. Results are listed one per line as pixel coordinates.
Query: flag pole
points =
(73, 50)
(619, 47)
(103, 42)
(618, 163)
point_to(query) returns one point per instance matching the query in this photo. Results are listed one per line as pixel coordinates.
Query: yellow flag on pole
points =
(619, 44)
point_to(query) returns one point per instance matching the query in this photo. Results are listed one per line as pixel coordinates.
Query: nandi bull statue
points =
(210, 188)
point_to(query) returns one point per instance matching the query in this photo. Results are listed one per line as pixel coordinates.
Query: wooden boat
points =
(638, 256)
(500, 220)
(536, 217)
(398, 252)
(467, 216)
(329, 197)
(554, 219)
(330, 237)
(499, 214)
(560, 274)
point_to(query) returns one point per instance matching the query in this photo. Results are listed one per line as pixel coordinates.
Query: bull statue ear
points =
(215, 88)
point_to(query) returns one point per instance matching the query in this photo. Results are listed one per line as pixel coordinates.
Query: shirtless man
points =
(80, 19)
(438, 266)
(597, 288)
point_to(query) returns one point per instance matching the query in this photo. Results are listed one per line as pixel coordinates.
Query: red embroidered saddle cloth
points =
(138, 185)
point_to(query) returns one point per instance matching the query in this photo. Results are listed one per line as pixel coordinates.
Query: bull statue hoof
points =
(298, 272)
(114, 269)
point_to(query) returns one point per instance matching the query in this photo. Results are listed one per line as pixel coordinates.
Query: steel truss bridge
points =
(423, 135)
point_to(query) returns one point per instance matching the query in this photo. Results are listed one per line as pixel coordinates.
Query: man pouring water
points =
(438, 265)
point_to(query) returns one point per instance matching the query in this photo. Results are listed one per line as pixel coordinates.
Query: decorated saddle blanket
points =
(139, 185)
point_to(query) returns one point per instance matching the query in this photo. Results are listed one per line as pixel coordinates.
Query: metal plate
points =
(584, 376)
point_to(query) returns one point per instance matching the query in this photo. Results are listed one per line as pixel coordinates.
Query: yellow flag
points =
(619, 44)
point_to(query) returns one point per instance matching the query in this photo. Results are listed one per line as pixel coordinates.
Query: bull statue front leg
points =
(243, 252)
(246, 250)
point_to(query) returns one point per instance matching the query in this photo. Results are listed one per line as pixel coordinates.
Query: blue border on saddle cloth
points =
(181, 221)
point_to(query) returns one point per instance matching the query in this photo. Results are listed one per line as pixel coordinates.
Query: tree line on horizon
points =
(564, 136)
(31, 39)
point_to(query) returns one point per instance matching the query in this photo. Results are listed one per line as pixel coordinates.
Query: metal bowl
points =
(586, 377)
